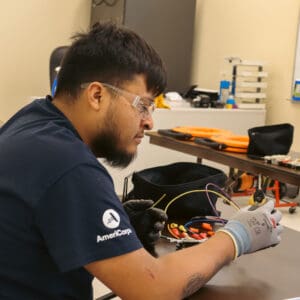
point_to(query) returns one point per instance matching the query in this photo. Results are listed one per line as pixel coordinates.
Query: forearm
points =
(138, 275)
(189, 269)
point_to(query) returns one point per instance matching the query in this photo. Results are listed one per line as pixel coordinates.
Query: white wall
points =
(29, 31)
(253, 30)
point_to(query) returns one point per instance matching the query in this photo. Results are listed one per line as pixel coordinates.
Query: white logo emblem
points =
(111, 219)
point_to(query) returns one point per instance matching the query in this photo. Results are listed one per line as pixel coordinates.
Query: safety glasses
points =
(144, 105)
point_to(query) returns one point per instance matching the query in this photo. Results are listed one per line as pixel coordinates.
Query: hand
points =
(147, 221)
(252, 230)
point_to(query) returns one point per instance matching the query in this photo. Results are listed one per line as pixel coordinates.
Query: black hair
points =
(111, 54)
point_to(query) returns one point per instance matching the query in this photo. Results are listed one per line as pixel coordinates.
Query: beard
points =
(105, 145)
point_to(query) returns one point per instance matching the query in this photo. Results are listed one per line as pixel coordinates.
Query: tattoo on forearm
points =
(194, 284)
(196, 281)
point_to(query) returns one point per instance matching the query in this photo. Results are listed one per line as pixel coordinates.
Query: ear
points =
(94, 91)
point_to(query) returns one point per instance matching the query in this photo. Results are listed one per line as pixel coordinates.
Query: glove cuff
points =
(236, 250)
(239, 236)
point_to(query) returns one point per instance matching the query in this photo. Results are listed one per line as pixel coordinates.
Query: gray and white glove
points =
(252, 230)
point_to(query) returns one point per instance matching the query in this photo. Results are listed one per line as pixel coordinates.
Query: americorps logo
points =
(113, 235)
(111, 220)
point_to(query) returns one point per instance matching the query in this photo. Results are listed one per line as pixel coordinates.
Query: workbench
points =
(236, 120)
(270, 274)
(233, 160)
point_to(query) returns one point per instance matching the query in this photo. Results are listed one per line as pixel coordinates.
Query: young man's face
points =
(123, 127)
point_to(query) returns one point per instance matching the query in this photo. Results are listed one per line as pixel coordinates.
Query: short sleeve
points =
(82, 220)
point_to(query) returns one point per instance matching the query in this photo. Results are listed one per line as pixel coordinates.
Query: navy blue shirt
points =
(58, 208)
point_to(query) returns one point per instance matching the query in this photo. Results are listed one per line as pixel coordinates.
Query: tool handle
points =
(174, 134)
(210, 143)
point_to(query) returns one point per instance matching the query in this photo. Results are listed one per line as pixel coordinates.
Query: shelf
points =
(252, 74)
(250, 95)
(248, 81)
(253, 84)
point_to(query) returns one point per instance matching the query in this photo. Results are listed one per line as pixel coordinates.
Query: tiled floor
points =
(289, 220)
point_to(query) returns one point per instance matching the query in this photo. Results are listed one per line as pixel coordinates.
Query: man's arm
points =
(138, 275)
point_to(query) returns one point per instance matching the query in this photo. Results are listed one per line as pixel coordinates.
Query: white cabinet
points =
(236, 120)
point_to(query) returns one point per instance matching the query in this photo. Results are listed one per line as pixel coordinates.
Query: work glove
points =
(147, 221)
(254, 229)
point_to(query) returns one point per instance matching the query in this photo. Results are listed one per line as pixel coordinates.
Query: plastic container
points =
(230, 102)
(224, 91)
(296, 91)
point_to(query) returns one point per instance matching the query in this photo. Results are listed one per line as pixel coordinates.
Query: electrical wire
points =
(159, 200)
(171, 232)
(196, 191)
(205, 220)
(210, 219)
(229, 199)
(222, 195)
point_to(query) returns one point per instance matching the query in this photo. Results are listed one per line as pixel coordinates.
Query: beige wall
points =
(29, 31)
(253, 30)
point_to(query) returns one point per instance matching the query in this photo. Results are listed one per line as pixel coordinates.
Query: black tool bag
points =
(270, 140)
(182, 180)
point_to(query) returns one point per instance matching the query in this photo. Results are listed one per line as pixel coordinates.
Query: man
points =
(61, 223)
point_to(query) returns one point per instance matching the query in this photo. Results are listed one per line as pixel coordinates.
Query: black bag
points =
(270, 140)
(172, 181)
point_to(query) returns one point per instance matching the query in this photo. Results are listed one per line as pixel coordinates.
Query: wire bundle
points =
(200, 227)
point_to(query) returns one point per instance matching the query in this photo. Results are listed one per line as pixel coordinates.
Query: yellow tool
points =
(257, 199)
(160, 102)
